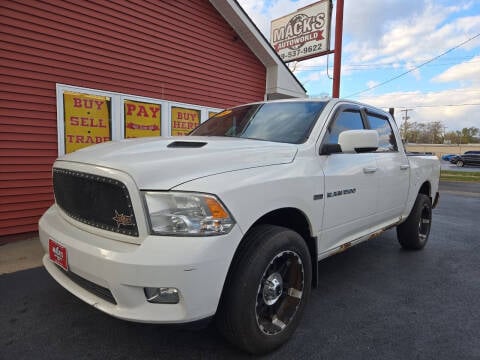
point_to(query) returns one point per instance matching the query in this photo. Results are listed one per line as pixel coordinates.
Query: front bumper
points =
(197, 267)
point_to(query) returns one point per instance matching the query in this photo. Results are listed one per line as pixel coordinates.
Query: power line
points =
(375, 67)
(452, 60)
(399, 62)
(413, 107)
(447, 105)
(425, 91)
(416, 67)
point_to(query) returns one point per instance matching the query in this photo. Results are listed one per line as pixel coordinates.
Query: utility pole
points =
(405, 128)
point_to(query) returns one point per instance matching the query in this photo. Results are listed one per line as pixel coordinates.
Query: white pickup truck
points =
(231, 221)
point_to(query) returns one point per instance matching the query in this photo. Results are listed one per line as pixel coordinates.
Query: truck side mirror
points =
(358, 140)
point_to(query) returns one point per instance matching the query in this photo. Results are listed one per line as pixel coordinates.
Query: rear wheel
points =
(460, 163)
(267, 289)
(413, 233)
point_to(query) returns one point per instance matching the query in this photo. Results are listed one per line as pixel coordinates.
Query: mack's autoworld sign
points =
(304, 33)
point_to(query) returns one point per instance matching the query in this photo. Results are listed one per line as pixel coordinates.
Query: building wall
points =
(175, 50)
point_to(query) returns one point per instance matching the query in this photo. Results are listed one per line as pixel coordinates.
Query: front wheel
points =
(460, 163)
(413, 233)
(267, 289)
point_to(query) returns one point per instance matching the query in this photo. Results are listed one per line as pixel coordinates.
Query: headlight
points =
(177, 213)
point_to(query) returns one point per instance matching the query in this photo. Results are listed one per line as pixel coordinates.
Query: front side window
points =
(386, 138)
(346, 120)
(286, 122)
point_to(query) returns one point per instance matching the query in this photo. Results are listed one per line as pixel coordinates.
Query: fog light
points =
(163, 295)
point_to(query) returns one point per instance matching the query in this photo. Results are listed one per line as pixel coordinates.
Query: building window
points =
(87, 120)
(184, 120)
(88, 116)
(142, 119)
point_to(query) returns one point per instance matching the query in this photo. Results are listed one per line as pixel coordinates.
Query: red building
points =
(178, 61)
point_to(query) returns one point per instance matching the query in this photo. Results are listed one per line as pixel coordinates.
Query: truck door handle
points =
(370, 169)
(404, 167)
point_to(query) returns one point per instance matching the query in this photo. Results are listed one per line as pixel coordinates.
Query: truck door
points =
(351, 184)
(393, 169)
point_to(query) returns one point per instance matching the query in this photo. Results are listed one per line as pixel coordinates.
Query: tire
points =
(266, 290)
(460, 163)
(413, 233)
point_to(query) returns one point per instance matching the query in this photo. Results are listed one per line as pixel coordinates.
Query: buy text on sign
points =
(184, 120)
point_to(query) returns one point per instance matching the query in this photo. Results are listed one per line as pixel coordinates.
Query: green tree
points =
(464, 136)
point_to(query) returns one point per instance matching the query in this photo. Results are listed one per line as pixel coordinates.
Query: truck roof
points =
(332, 101)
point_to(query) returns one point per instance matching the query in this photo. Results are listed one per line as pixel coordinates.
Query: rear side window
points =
(346, 120)
(386, 137)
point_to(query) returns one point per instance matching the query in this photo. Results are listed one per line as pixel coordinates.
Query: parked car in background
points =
(468, 158)
(448, 157)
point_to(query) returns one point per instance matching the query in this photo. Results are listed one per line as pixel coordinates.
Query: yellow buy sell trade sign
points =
(87, 120)
(142, 119)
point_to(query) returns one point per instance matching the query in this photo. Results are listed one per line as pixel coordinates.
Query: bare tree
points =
(430, 133)
(435, 132)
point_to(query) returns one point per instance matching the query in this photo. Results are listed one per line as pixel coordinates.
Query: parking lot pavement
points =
(459, 188)
(374, 301)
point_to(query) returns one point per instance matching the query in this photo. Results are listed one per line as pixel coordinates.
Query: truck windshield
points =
(286, 122)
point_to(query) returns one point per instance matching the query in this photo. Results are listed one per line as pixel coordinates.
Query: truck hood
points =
(162, 163)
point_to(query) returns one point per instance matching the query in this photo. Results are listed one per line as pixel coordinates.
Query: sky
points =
(382, 39)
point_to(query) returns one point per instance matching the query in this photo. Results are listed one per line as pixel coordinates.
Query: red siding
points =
(175, 50)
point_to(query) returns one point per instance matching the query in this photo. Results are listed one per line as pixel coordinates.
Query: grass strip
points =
(449, 175)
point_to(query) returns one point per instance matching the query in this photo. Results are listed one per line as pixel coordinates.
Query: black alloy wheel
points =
(279, 292)
(413, 233)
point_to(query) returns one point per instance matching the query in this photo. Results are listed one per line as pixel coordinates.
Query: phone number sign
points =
(304, 33)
